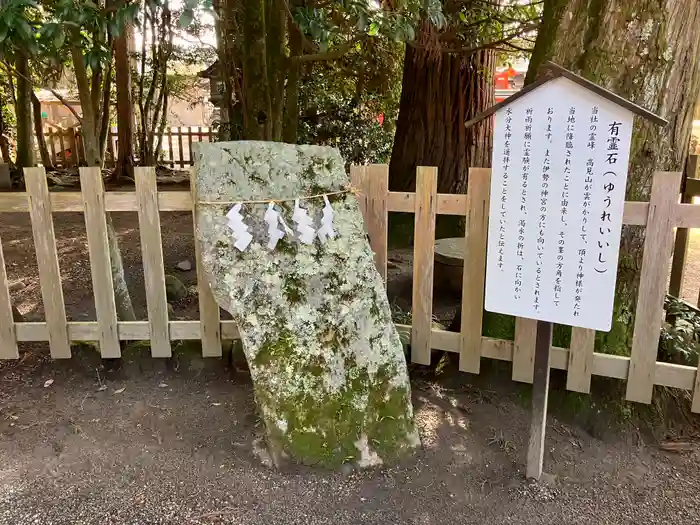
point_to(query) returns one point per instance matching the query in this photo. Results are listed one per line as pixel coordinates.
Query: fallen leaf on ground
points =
(48, 383)
(119, 391)
(163, 385)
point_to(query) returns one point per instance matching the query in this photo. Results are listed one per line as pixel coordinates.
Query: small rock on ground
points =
(184, 266)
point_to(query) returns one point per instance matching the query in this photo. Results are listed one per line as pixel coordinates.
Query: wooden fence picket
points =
(209, 312)
(73, 145)
(524, 350)
(47, 261)
(171, 155)
(474, 268)
(52, 146)
(153, 267)
(580, 364)
(8, 338)
(358, 180)
(189, 147)
(680, 250)
(656, 259)
(377, 184)
(181, 150)
(423, 264)
(100, 264)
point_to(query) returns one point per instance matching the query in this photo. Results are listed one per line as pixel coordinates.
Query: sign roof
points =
(551, 71)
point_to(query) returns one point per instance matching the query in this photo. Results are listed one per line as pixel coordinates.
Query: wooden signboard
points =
(559, 172)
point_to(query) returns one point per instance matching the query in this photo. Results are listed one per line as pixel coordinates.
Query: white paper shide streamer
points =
(304, 224)
(240, 230)
(273, 218)
(326, 230)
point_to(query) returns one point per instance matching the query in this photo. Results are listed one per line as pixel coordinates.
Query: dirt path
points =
(175, 446)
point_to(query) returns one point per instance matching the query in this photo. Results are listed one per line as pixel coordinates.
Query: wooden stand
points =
(540, 392)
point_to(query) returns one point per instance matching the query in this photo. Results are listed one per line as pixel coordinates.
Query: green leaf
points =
(186, 18)
(113, 27)
(59, 38)
(373, 29)
(3, 31)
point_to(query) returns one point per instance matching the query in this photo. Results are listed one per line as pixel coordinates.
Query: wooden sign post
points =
(558, 179)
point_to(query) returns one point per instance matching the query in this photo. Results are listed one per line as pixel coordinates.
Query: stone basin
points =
(449, 262)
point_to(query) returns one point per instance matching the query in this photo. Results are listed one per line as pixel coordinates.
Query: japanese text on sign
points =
(557, 198)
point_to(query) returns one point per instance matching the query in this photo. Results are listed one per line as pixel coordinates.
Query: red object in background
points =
(380, 119)
(502, 80)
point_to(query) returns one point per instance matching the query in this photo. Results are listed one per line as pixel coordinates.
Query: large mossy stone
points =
(326, 361)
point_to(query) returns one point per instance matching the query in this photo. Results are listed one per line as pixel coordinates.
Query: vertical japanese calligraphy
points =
(557, 197)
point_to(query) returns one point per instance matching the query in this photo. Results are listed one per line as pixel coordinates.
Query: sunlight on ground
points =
(691, 279)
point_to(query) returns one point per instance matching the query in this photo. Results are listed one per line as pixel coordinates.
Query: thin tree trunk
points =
(646, 52)
(291, 104)
(122, 297)
(39, 133)
(438, 96)
(23, 111)
(275, 27)
(89, 129)
(125, 108)
(104, 117)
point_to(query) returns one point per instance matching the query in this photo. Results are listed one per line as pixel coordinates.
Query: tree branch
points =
(305, 42)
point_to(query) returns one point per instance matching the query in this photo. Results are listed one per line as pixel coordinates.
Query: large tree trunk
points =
(23, 110)
(125, 108)
(439, 94)
(646, 52)
(258, 119)
(39, 133)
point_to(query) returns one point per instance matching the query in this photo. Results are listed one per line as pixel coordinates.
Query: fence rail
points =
(641, 371)
(65, 145)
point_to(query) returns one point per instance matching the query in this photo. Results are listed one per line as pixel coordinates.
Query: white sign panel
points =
(559, 171)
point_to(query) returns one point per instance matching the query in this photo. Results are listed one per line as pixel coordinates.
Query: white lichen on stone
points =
(325, 357)
(368, 457)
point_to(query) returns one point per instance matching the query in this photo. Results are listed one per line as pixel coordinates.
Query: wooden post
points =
(153, 267)
(423, 264)
(72, 144)
(52, 145)
(47, 260)
(578, 376)
(179, 147)
(92, 189)
(8, 338)
(652, 286)
(190, 160)
(680, 251)
(377, 182)
(66, 161)
(209, 313)
(524, 350)
(358, 179)
(540, 392)
(474, 269)
(171, 155)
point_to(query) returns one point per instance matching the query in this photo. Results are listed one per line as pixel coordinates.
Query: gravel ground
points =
(173, 442)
